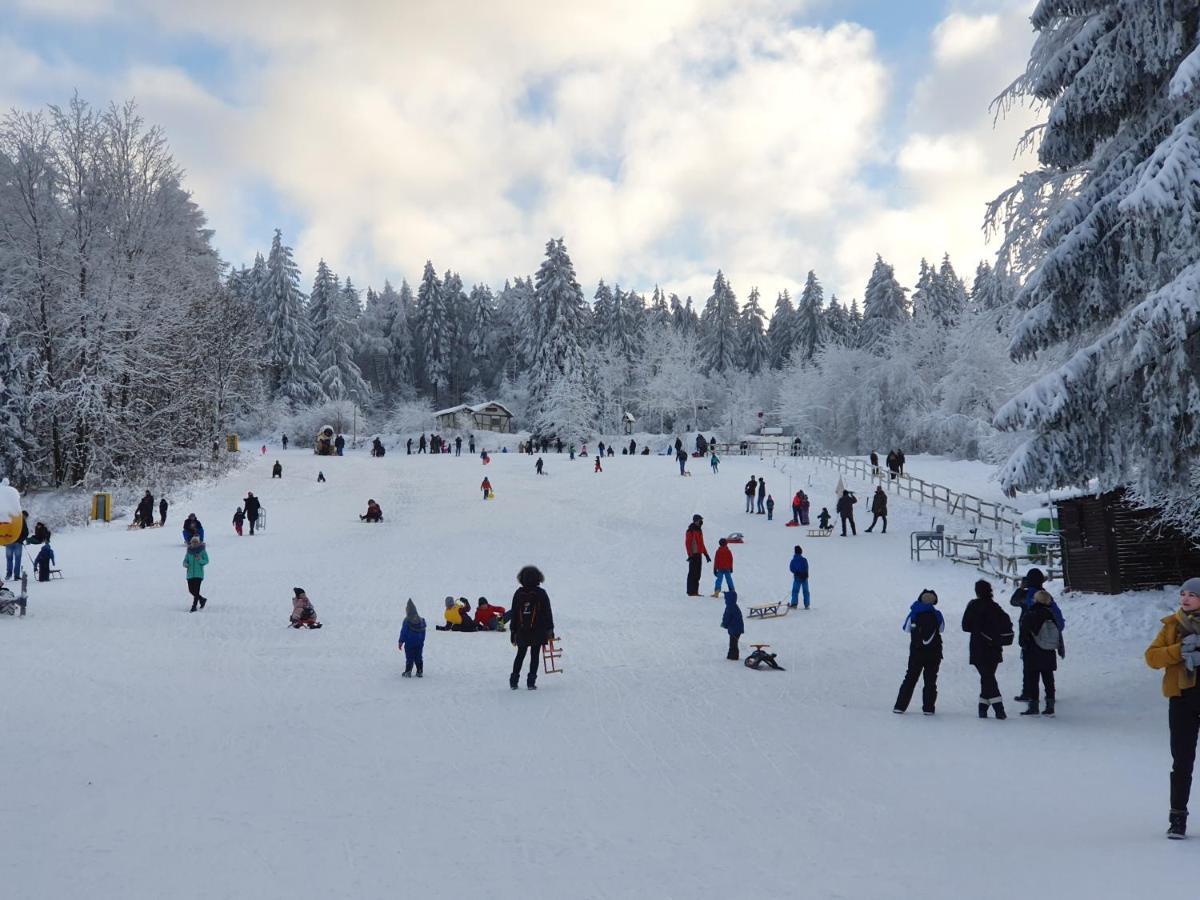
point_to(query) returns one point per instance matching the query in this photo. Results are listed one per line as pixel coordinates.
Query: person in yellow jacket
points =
(1176, 649)
(453, 615)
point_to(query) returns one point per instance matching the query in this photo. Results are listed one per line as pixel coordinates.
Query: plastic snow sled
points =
(768, 611)
(760, 657)
(736, 538)
(820, 532)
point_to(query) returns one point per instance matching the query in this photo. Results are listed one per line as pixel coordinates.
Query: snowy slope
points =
(156, 753)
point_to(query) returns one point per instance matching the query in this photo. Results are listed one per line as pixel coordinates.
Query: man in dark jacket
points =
(145, 510)
(924, 625)
(845, 510)
(458, 445)
(878, 509)
(991, 631)
(531, 624)
(874, 463)
(14, 552)
(1022, 598)
(751, 489)
(693, 544)
(339, 444)
(162, 511)
(762, 495)
(252, 507)
(892, 464)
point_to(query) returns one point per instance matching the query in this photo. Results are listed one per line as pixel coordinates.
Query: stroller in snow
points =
(10, 602)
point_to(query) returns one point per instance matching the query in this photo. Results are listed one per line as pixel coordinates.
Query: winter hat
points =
(482, 601)
(1035, 578)
(449, 602)
(298, 591)
(1191, 586)
(410, 611)
(731, 596)
(983, 589)
(697, 518)
(928, 596)
(1043, 597)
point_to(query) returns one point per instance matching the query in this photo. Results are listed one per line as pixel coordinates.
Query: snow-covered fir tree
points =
(481, 313)
(781, 332)
(837, 323)
(659, 313)
(754, 353)
(434, 334)
(341, 379)
(884, 307)
(992, 289)
(923, 294)
(1119, 281)
(719, 345)
(294, 377)
(560, 324)
(810, 332)
(15, 450)
(604, 314)
(631, 325)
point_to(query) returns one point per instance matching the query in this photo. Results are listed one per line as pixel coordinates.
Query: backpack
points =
(526, 614)
(1048, 636)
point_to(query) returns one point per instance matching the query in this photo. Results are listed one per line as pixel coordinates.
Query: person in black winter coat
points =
(531, 624)
(162, 511)
(924, 625)
(845, 510)
(750, 491)
(878, 509)
(991, 631)
(874, 463)
(277, 470)
(252, 506)
(1041, 640)
(144, 514)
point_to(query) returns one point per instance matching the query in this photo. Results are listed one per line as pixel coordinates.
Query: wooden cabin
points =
(489, 416)
(1109, 545)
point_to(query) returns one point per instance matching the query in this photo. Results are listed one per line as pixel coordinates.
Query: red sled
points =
(735, 538)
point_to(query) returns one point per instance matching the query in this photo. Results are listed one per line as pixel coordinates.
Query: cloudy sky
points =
(662, 139)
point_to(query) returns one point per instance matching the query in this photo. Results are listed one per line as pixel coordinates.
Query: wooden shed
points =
(1109, 545)
(489, 416)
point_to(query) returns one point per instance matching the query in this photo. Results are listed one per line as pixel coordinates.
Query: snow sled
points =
(736, 538)
(10, 602)
(820, 532)
(760, 657)
(774, 610)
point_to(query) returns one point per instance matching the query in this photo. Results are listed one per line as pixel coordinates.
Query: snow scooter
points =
(761, 657)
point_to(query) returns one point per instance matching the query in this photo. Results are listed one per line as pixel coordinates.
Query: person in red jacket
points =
(488, 616)
(723, 567)
(486, 487)
(693, 543)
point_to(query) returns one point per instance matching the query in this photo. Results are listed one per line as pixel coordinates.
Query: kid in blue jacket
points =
(412, 640)
(799, 569)
(732, 622)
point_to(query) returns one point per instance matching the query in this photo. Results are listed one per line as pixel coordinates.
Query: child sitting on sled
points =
(303, 614)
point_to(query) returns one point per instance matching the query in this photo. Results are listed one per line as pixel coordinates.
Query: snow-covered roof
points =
(450, 410)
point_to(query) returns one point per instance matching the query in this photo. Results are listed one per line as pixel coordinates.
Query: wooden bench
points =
(767, 611)
(820, 532)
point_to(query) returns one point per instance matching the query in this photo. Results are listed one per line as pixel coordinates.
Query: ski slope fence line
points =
(1003, 519)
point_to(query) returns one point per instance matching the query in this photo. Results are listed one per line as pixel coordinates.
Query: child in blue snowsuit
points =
(43, 562)
(412, 640)
(731, 621)
(799, 567)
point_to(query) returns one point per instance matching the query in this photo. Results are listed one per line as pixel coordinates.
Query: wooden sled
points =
(768, 611)
(820, 532)
(551, 654)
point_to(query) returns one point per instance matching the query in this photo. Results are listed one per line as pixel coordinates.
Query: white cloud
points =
(960, 37)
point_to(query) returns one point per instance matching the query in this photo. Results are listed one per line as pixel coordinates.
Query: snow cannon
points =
(323, 446)
(11, 520)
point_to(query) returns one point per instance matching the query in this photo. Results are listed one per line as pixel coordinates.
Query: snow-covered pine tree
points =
(256, 285)
(754, 353)
(884, 306)
(837, 323)
(458, 310)
(289, 336)
(1120, 277)
(922, 298)
(659, 313)
(560, 324)
(991, 288)
(781, 332)
(15, 448)
(320, 307)
(604, 314)
(856, 321)
(631, 325)
(718, 328)
(951, 295)
(341, 378)
(482, 310)
(810, 333)
(433, 333)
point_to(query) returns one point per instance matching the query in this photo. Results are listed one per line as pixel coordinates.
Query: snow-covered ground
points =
(155, 753)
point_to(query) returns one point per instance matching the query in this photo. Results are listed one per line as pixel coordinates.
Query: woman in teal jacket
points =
(194, 560)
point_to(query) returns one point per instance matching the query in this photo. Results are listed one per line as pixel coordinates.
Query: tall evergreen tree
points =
(1120, 275)
(810, 332)
(15, 450)
(560, 324)
(340, 376)
(718, 327)
(604, 314)
(838, 329)
(781, 333)
(289, 336)
(856, 323)
(884, 306)
(659, 313)
(951, 295)
(922, 298)
(479, 332)
(433, 332)
(631, 325)
(754, 352)
(991, 289)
